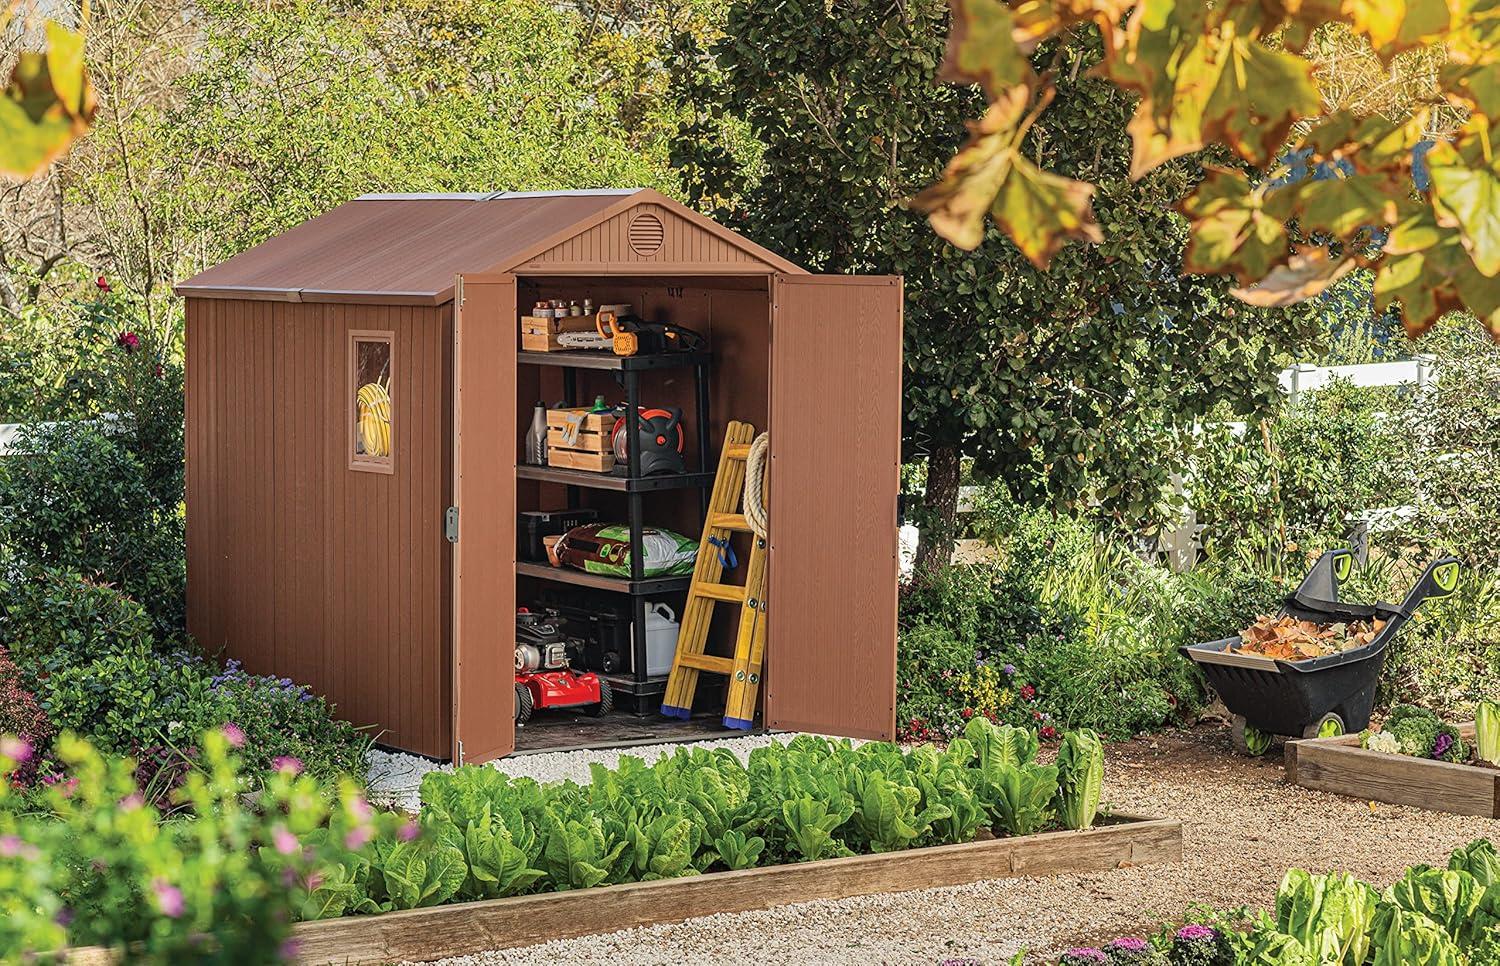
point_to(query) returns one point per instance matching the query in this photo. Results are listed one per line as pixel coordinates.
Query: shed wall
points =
(298, 565)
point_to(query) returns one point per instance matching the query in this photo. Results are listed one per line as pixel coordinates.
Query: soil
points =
(1243, 826)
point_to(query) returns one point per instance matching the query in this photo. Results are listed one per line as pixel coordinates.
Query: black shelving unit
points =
(636, 687)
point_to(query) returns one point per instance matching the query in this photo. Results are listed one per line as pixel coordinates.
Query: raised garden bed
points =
(472, 927)
(1341, 766)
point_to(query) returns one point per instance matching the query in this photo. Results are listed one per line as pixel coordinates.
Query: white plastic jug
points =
(661, 638)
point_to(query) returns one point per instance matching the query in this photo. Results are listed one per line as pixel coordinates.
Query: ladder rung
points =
(737, 451)
(732, 593)
(706, 662)
(729, 521)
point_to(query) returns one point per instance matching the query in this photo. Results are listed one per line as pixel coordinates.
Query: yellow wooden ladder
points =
(725, 519)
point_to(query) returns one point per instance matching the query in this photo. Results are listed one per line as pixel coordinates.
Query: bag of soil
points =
(604, 548)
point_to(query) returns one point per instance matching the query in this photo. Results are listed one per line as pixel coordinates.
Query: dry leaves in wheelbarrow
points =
(1289, 639)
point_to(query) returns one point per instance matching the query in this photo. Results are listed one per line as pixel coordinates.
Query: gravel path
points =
(1243, 826)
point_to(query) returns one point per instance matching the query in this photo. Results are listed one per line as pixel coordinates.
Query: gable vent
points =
(646, 235)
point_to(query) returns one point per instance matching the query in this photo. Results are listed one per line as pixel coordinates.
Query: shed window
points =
(371, 438)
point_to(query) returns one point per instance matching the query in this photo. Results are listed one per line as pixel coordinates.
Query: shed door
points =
(833, 479)
(484, 493)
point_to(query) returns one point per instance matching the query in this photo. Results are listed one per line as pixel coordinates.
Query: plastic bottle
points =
(599, 405)
(536, 437)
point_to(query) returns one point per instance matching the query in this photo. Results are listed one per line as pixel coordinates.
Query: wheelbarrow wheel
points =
(1249, 739)
(1328, 726)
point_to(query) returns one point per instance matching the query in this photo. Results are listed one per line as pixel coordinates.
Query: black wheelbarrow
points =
(1321, 696)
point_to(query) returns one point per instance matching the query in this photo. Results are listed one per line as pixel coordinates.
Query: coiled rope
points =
(755, 484)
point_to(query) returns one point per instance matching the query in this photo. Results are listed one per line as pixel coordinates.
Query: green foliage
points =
(1295, 477)
(209, 888)
(80, 499)
(127, 700)
(485, 835)
(1068, 630)
(55, 619)
(1026, 373)
(1487, 729)
(1329, 915)
(1080, 772)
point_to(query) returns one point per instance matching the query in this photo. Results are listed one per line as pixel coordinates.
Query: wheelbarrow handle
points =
(1440, 579)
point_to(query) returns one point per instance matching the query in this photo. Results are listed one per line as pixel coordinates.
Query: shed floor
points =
(549, 731)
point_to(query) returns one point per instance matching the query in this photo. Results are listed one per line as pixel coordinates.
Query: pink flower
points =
(10, 846)
(235, 736)
(103, 283)
(16, 749)
(359, 807)
(132, 802)
(290, 948)
(286, 842)
(128, 341)
(287, 764)
(407, 831)
(357, 837)
(168, 898)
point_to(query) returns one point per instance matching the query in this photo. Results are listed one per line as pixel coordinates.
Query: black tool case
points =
(1332, 694)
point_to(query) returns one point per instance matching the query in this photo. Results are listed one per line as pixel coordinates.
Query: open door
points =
(482, 521)
(833, 480)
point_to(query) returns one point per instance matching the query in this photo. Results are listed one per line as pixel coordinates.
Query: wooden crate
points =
(591, 449)
(573, 459)
(1341, 766)
(539, 334)
(473, 927)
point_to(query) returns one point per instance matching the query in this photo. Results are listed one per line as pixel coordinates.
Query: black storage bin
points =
(533, 525)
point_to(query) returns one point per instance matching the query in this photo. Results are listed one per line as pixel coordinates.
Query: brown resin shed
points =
(385, 573)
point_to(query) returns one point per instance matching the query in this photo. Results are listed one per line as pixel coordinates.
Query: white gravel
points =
(396, 777)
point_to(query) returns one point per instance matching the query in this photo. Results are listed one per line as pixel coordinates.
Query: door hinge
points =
(450, 524)
(460, 752)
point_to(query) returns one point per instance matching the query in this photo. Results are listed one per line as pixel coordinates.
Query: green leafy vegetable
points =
(1487, 725)
(1080, 778)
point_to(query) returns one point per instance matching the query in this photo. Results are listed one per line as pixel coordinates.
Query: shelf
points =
(609, 481)
(598, 359)
(620, 585)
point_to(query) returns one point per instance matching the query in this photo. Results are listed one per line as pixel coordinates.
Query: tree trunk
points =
(939, 513)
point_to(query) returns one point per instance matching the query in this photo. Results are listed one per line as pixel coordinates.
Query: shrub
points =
(146, 704)
(283, 719)
(54, 618)
(22, 715)
(97, 866)
(130, 700)
(80, 499)
(1294, 479)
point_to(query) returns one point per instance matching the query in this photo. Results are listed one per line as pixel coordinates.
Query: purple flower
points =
(1010, 670)
(290, 949)
(287, 763)
(1083, 956)
(407, 831)
(1196, 933)
(286, 842)
(168, 898)
(357, 837)
(64, 917)
(234, 734)
(1127, 944)
(16, 749)
(1441, 746)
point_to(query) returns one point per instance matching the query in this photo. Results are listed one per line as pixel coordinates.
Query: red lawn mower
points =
(544, 675)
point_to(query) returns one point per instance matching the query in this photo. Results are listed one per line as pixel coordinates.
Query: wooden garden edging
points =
(472, 927)
(1341, 766)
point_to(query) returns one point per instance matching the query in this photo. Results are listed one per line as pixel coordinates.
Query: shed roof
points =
(407, 248)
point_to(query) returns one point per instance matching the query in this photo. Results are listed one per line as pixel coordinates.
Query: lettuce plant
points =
(1487, 729)
(1080, 778)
